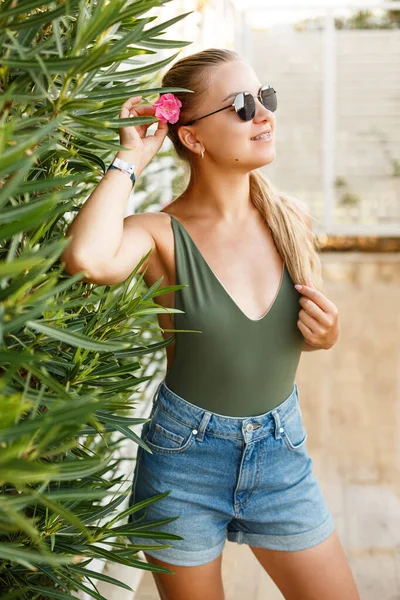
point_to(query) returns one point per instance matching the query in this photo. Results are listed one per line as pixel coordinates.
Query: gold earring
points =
(202, 154)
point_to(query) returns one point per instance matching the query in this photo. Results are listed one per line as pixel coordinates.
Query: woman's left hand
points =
(318, 319)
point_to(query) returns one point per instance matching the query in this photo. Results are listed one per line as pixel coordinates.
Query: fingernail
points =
(298, 286)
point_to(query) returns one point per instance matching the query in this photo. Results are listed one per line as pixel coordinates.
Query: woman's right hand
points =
(134, 137)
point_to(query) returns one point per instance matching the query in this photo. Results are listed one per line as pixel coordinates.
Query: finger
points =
(128, 104)
(317, 297)
(310, 322)
(307, 333)
(161, 130)
(142, 109)
(142, 129)
(132, 100)
(314, 311)
(136, 109)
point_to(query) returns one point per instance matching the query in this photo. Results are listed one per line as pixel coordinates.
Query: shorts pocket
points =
(293, 432)
(168, 435)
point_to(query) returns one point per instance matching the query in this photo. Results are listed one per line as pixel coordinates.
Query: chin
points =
(263, 163)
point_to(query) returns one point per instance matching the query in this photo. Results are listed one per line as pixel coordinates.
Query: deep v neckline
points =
(220, 282)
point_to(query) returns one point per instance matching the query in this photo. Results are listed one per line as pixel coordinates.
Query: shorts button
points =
(195, 431)
(281, 429)
(249, 427)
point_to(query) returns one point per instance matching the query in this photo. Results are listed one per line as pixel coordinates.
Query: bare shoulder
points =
(157, 228)
(148, 220)
(154, 223)
(157, 222)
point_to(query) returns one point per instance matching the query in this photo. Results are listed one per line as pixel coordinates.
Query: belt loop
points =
(202, 427)
(277, 420)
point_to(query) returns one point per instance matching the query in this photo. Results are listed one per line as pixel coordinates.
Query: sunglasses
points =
(245, 105)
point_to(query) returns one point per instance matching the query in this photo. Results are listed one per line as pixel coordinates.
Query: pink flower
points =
(167, 108)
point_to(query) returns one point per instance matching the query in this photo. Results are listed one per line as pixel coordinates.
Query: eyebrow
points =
(235, 93)
(230, 95)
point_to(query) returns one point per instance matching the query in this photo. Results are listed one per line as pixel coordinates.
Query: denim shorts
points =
(245, 479)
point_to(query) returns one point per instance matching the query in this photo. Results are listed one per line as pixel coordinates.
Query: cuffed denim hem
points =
(183, 558)
(299, 541)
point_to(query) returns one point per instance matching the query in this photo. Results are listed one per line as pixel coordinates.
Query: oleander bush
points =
(74, 357)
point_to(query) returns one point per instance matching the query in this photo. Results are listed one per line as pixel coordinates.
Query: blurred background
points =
(336, 69)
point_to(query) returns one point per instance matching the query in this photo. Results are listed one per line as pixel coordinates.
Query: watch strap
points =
(131, 176)
(125, 167)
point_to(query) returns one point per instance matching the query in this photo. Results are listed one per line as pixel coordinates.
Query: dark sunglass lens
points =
(268, 98)
(245, 106)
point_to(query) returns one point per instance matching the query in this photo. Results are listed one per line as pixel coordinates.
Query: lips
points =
(261, 132)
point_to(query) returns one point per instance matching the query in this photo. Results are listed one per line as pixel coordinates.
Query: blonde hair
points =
(287, 217)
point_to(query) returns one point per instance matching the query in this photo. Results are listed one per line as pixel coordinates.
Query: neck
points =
(222, 197)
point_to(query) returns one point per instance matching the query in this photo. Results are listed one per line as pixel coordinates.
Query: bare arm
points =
(99, 231)
(104, 243)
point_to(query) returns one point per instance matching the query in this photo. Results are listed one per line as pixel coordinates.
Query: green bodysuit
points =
(236, 366)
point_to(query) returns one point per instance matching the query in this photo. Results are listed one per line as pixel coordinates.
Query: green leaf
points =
(119, 558)
(105, 18)
(63, 494)
(62, 511)
(42, 18)
(21, 522)
(82, 103)
(100, 576)
(21, 264)
(149, 349)
(136, 73)
(9, 157)
(79, 410)
(149, 33)
(15, 181)
(17, 553)
(75, 339)
(28, 5)
(40, 185)
(97, 513)
(162, 44)
(31, 218)
(109, 145)
(138, 506)
(75, 582)
(128, 433)
(51, 593)
(78, 469)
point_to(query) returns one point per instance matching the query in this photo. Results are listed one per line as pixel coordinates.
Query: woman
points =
(226, 431)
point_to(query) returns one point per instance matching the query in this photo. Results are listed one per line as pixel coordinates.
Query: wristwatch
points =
(125, 167)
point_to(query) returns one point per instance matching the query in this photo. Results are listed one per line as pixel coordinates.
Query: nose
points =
(260, 108)
(263, 114)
